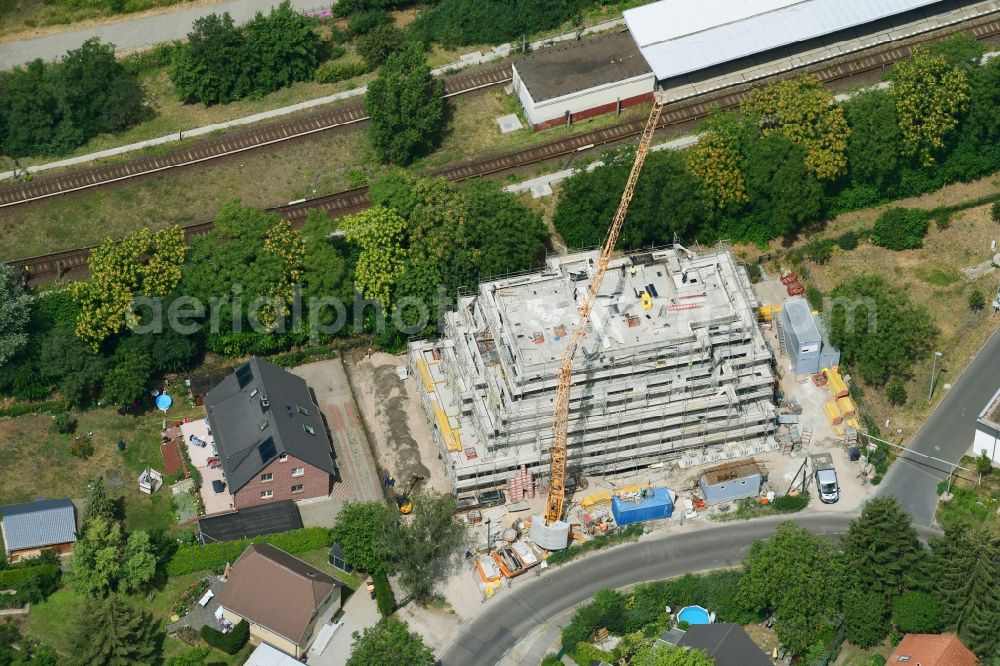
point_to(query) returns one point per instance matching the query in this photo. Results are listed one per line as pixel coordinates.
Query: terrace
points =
(195, 433)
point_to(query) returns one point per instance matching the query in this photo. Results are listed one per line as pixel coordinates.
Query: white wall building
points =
(988, 430)
(569, 83)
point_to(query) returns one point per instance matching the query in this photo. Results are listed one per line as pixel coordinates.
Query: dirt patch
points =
(396, 422)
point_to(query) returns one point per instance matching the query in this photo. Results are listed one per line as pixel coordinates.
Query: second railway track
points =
(50, 266)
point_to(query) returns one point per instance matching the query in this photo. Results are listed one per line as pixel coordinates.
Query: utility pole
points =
(930, 391)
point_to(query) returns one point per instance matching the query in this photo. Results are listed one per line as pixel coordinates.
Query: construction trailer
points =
(807, 344)
(673, 361)
(732, 481)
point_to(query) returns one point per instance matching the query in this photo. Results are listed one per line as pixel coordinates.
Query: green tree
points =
(127, 379)
(406, 107)
(931, 95)
(15, 310)
(783, 192)
(74, 368)
(895, 391)
(664, 655)
(900, 229)
(865, 614)
(380, 233)
(877, 329)
(284, 47)
(964, 568)
(794, 574)
(873, 145)
(141, 264)
(115, 632)
(97, 91)
(916, 613)
(99, 505)
(976, 300)
(210, 69)
(361, 529)
(422, 546)
(326, 266)
(390, 641)
(379, 43)
(803, 110)
(960, 50)
(716, 158)
(106, 560)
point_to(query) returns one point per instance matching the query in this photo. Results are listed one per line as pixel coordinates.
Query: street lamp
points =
(930, 392)
(488, 521)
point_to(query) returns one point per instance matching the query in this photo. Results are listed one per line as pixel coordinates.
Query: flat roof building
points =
(673, 359)
(988, 431)
(565, 84)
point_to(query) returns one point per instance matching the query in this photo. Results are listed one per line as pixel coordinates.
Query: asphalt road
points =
(138, 33)
(514, 614)
(946, 434)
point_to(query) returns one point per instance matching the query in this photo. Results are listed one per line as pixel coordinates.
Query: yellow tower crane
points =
(557, 488)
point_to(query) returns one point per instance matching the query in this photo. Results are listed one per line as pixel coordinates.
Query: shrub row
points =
(333, 72)
(14, 577)
(189, 559)
(384, 598)
(230, 643)
(23, 408)
(630, 533)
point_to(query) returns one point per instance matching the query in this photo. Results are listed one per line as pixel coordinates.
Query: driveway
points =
(358, 613)
(520, 625)
(946, 434)
(138, 33)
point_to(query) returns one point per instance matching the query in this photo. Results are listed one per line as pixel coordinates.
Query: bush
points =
(230, 643)
(895, 391)
(814, 297)
(901, 229)
(875, 660)
(64, 423)
(384, 598)
(189, 559)
(82, 447)
(916, 613)
(683, 625)
(995, 211)
(790, 503)
(977, 301)
(848, 241)
(334, 72)
(551, 660)
(32, 582)
(376, 46)
(984, 465)
(819, 250)
(361, 23)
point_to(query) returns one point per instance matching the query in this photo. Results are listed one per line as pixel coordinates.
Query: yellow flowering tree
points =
(931, 96)
(141, 264)
(380, 232)
(715, 159)
(803, 111)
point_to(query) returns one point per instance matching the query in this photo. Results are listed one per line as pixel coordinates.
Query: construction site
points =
(671, 366)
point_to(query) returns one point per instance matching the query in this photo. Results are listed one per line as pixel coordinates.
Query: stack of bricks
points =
(522, 486)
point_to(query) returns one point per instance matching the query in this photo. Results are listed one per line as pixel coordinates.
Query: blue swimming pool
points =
(694, 615)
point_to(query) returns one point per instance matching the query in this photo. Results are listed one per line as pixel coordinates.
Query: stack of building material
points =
(837, 385)
(522, 486)
(832, 413)
(846, 406)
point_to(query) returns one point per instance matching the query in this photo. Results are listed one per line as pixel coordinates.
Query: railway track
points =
(70, 262)
(231, 143)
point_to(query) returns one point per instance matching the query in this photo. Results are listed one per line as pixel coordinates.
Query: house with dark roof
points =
(281, 597)
(36, 527)
(724, 642)
(280, 516)
(272, 442)
(932, 650)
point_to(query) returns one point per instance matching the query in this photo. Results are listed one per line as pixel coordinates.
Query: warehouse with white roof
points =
(688, 49)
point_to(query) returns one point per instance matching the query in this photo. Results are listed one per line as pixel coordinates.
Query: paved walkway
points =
(358, 613)
(138, 33)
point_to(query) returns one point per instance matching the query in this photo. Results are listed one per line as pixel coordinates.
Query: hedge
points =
(230, 643)
(15, 577)
(189, 559)
(384, 598)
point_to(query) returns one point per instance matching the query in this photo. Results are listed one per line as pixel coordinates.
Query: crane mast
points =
(557, 487)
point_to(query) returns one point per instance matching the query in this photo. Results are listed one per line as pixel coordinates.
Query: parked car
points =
(826, 478)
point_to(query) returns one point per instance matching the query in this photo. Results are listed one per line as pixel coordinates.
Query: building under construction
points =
(673, 361)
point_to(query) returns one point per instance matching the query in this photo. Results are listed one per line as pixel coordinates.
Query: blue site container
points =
(658, 506)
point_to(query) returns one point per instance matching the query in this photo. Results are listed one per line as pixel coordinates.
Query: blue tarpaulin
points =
(657, 506)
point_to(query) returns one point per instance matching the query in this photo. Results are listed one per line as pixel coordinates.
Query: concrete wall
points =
(987, 440)
(734, 489)
(585, 104)
(315, 483)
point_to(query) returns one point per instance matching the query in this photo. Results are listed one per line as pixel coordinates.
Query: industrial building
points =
(673, 360)
(988, 431)
(805, 338)
(562, 85)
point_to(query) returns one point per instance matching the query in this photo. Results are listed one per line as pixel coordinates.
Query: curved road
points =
(515, 614)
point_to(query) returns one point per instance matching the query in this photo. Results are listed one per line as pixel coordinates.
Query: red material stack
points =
(522, 486)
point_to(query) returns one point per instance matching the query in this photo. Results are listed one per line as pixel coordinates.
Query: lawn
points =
(41, 461)
(972, 502)
(932, 278)
(318, 558)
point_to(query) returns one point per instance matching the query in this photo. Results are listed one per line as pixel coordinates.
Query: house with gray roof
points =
(36, 527)
(724, 642)
(272, 441)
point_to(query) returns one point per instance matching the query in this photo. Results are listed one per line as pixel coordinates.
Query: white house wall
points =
(543, 111)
